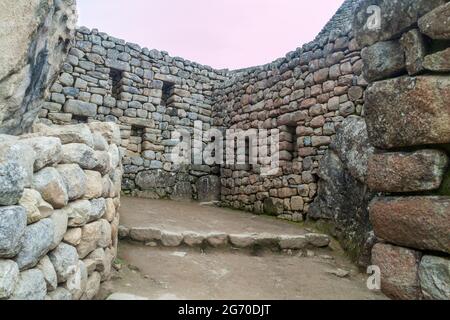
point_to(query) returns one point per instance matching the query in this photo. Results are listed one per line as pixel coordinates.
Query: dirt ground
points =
(191, 216)
(185, 273)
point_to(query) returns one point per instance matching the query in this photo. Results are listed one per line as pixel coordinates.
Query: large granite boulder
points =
(421, 115)
(34, 39)
(379, 20)
(343, 197)
(13, 221)
(16, 171)
(434, 274)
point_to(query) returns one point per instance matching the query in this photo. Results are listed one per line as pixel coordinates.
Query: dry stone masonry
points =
(59, 205)
(149, 94)
(407, 114)
(363, 115)
(59, 186)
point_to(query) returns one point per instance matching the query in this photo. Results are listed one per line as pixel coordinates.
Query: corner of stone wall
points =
(406, 59)
(59, 200)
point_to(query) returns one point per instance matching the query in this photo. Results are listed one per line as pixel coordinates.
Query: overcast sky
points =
(220, 33)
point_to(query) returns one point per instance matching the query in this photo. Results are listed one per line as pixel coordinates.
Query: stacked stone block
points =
(306, 96)
(407, 115)
(150, 95)
(59, 200)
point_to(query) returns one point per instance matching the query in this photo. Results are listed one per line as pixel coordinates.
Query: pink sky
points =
(220, 33)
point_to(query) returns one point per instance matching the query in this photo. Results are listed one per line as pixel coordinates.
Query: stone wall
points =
(149, 94)
(59, 200)
(407, 114)
(305, 95)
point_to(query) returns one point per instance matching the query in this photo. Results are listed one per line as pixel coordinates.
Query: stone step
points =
(157, 236)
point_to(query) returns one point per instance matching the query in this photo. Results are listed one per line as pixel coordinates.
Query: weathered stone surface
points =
(318, 240)
(98, 209)
(80, 154)
(47, 151)
(147, 180)
(182, 191)
(80, 108)
(387, 13)
(243, 240)
(30, 286)
(16, 171)
(95, 235)
(79, 133)
(293, 242)
(60, 222)
(65, 260)
(115, 156)
(383, 60)
(60, 294)
(92, 286)
(208, 188)
(94, 185)
(34, 38)
(399, 271)
(421, 114)
(193, 239)
(439, 61)
(99, 260)
(74, 179)
(77, 282)
(107, 130)
(107, 264)
(436, 24)
(9, 275)
(110, 213)
(217, 240)
(353, 147)
(47, 269)
(13, 221)
(342, 197)
(103, 162)
(36, 208)
(36, 242)
(434, 274)
(407, 172)
(73, 236)
(145, 234)
(414, 222)
(413, 44)
(79, 213)
(273, 206)
(100, 143)
(171, 239)
(51, 187)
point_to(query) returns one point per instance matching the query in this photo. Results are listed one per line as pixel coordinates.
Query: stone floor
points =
(227, 273)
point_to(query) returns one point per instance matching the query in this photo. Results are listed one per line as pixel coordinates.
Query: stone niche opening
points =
(77, 119)
(115, 76)
(167, 92)
(288, 142)
(135, 145)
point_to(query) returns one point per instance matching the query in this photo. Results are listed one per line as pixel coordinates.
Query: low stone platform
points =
(173, 224)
